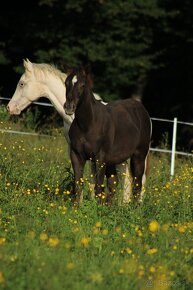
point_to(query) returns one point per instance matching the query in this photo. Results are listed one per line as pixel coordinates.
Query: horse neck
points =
(85, 112)
(56, 93)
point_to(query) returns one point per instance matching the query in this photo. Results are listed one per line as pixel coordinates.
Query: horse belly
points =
(122, 147)
(117, 157)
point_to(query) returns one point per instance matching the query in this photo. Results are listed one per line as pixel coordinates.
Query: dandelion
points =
(66, 192)
(53, 241)
(139, 233)
(181, 228)
(43, 236)
(152, 269)
(57, 191)
(153, 226)
(152, 251)
(28, 191)
(2, 241)
(98, 224)
(85, 241)
(128, 250)
(105, 232)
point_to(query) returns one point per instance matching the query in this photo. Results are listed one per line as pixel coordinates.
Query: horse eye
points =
(21, 84)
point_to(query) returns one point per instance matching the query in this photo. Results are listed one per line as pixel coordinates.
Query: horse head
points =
(76, 82)
(26, 92)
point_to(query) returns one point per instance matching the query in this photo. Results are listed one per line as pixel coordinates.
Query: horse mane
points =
(89, 76)
(48, 68)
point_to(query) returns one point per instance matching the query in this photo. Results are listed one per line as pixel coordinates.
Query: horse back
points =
(131, 112)
(131, 116)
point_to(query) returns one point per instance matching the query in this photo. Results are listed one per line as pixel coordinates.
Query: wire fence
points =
(171, 151)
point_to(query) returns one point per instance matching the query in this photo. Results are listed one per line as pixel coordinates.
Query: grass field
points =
(47, 244)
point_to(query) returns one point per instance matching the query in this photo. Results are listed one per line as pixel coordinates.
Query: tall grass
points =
(45, 243)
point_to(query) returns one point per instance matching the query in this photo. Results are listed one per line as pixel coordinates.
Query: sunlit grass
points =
(45, 243)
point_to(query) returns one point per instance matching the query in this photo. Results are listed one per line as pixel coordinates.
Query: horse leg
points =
(138, 170)
(126, 181)
(92, 165)
(78, 164)
(145, 174)
(99, 185)
(112, 181)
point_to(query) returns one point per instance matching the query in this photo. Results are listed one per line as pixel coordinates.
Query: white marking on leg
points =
(126, 182)
(144, 174)
(141, 197)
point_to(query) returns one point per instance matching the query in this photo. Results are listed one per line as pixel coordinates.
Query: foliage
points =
(3, 114)
(128, 44)
(47, 244)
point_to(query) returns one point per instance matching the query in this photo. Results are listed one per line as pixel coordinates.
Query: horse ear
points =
(68, 70)
(28, 65)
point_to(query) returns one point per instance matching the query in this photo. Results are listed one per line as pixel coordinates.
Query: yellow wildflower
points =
(152, 251)
(105, 232)
(53, 242)
(98, 224)
(152, 269)
(85, 241)
(153, 226)
(2, 241)
(181, 229)
(43, 236)
(128, 250)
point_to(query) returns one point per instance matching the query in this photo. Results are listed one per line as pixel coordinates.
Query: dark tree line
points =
(131, 46)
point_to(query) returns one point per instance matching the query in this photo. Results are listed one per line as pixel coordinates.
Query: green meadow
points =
(47, 244)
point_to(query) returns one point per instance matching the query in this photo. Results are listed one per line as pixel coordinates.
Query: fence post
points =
(173, 147)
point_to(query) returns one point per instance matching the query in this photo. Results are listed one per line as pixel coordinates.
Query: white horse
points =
(45, 80)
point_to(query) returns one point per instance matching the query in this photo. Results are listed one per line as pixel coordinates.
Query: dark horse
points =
(107, 134)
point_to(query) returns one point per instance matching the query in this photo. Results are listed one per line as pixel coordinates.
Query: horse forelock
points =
(83, 75)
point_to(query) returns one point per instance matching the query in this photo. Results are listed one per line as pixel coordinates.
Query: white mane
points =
(45, 68)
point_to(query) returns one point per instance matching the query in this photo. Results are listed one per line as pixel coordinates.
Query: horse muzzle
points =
(13, 109)
(69, 109)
